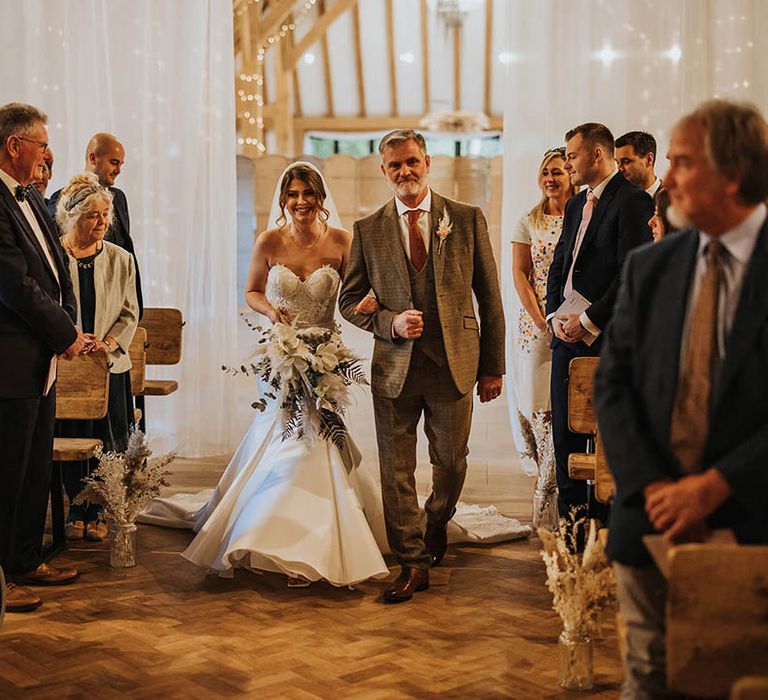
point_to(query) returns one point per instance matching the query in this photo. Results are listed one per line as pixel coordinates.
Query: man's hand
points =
(79, 346)
(680, 507)
(409, 324)
(570, 327)
(367, 305)
(488, 388)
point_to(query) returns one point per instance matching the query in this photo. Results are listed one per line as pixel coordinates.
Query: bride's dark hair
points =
(312, 178)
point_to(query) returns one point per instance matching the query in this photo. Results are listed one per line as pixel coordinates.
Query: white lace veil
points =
(274, 213)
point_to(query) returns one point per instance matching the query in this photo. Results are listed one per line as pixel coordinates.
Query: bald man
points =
(105, 157)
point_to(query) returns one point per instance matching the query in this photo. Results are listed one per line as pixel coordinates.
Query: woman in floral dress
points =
(533, 245)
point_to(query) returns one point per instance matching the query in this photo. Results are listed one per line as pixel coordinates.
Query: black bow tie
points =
(22, 193)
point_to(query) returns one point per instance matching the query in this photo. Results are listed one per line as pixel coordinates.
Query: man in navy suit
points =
(37, 313)
(602, 224)
(682, 387)
(105, 156)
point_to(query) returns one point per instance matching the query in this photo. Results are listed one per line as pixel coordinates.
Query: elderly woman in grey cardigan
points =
(103, 277)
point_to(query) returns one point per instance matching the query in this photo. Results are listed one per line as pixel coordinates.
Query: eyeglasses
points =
(560, 150)
(43, 145)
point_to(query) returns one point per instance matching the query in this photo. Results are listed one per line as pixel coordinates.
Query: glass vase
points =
(545, 509)
(575, 665)
(122, 545)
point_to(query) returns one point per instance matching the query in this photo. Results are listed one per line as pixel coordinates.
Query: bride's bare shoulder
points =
(271, 239)
(339, 235)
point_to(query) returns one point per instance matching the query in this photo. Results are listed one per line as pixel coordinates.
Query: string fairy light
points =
(250, 88)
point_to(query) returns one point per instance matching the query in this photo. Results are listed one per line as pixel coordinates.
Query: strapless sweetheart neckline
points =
(306, 279)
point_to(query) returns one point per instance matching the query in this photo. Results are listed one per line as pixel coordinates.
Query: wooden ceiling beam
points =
(320, 27)
(394, 109)
(330, 109)
(370, 123)
(457, 67)
(271, 22)
(362, 111)
(425, 56)
(488, 56)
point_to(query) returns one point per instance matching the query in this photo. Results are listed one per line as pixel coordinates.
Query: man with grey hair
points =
(105, 156)
(37, 313)
(425, 257)
(682, 387)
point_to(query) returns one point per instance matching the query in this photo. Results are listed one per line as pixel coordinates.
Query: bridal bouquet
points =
(311, 372)
(124, 482)
(582, 586)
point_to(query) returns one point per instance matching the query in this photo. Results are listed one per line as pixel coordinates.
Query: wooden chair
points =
(592, 465)
(750, 688)
(138, 354)
(82, 393)
(717, 618)
(163, 327)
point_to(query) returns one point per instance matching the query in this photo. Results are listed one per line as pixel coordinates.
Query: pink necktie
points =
(586, 216)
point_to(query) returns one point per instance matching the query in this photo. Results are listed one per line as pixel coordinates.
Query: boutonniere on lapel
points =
(444, 229)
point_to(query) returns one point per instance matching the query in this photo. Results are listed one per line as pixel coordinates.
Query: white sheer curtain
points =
(159, 76)
(630, 64)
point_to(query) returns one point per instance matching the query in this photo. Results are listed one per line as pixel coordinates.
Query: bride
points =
(294, 506)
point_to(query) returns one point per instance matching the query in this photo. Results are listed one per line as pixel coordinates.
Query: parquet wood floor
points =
(166, 629)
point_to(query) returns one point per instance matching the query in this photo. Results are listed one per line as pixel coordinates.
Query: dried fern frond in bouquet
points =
(124, 482)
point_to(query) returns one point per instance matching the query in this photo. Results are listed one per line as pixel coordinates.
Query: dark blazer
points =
(33, 324)
(636, 382)
(619, 223)
(119, 233)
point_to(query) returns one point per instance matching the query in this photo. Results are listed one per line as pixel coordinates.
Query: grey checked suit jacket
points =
(474, 347)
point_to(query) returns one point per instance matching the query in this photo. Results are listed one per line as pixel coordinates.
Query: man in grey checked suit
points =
(424, 256)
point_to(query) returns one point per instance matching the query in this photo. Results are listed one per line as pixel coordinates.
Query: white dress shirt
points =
(29, 215)
(738, 244)
(424, 222)
(654, 188)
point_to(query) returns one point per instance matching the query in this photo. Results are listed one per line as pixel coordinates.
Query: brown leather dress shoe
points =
(409, 581)
(436, 541)
(96, 531)
(19, 599)
(45, 575)
(74, 530)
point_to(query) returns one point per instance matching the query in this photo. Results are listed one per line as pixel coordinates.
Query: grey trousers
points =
(642, 594)
(428, 390)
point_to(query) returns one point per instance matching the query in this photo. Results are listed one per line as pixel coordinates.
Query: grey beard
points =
(677, 218)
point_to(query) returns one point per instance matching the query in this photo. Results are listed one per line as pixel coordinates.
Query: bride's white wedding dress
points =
(301, 507)
(291, 506)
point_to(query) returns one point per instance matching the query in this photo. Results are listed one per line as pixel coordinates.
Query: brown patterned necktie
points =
(415, 240)
(690, 412)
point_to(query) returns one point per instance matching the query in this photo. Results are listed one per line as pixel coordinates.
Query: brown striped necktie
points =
(690, 412)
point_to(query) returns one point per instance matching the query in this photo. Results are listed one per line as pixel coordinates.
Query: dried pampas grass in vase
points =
(123, 484)
(582, 587)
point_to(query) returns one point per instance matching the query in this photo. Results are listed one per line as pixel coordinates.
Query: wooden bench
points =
(163, 327)
(590, 466)
(717, 618)
(82, 393)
